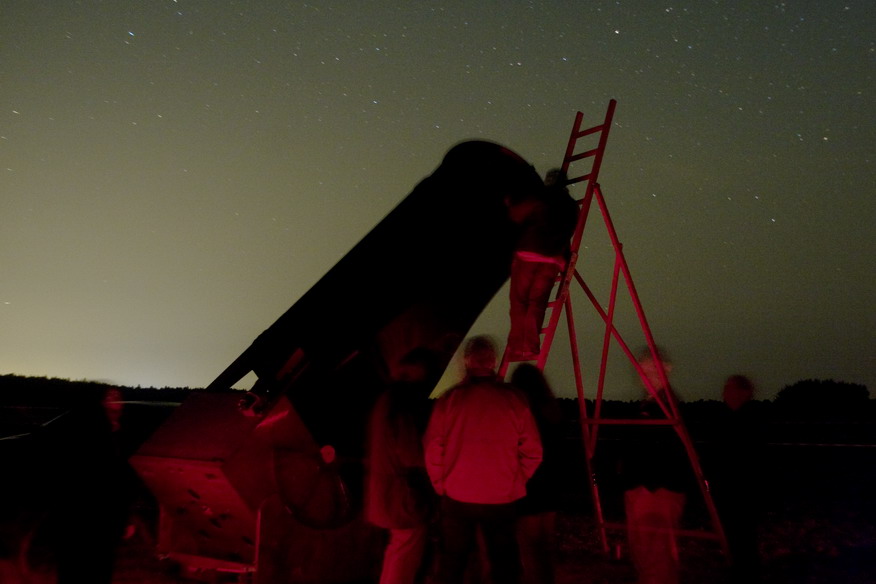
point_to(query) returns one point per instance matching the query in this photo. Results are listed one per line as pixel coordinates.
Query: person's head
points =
(530, 379)
(555, 177)
(419, 364)
(738, 390)
(480, 356)
(651, 366)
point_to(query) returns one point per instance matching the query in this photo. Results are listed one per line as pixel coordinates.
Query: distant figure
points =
(399, 496)
(738, 391)
(94, 489)
(482, 445)
(654, 469)
(736, 477)
(537, 521)
(547, 224)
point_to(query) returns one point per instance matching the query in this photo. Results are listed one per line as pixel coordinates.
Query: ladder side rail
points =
(667, 404)
(590, 430)
(608, 319)
(589, 444)
(584, 416)
(563, 290)
(617, 336)
(576, 360)
(606, 342)
(573, 138)
(577, 236)
(587, 435)
(597, 505)
(703, 484)
(593, 300)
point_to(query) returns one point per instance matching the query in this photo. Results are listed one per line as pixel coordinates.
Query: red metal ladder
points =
(562, 303)
(561, 297)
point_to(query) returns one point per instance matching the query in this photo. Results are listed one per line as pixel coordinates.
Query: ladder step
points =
(583, 155)
(589, 131)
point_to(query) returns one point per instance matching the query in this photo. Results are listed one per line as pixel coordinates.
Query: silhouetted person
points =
(547, 224)
(482, 445)
(654, 467)
(537, 520)
(94, 490)
(399, 496)
(736, 477)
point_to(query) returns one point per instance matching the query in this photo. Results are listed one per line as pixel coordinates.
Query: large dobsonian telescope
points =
(269, 482)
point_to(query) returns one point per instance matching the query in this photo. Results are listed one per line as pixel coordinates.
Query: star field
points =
(175, 174)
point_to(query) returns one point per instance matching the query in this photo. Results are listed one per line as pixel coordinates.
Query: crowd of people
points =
(480, 474)
(468, 486)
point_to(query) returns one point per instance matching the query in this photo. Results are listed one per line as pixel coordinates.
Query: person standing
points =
(537, 511)
(737, 472)
(93, 488)
(547, 223)
(654, 478)
(399, 497)
(481, 445)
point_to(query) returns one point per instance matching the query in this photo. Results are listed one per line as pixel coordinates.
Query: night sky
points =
(175, 174)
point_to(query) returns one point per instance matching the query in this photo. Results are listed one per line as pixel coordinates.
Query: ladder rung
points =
(589, 131)
(582, 155)
(581, 178)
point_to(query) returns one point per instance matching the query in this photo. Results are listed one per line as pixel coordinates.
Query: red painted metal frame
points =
(563, 303)
(666, 400)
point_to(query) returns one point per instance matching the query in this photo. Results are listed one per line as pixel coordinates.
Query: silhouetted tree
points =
(822, 400)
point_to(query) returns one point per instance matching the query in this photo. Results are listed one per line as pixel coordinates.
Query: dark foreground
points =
(801, 550)
(818, 520)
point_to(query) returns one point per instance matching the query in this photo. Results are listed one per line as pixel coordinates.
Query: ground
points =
(800, 543)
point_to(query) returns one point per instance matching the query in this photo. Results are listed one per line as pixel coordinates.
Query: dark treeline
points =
(808, 411)
(18, 390)
(27, 401)
(816, 435)
(27, 404)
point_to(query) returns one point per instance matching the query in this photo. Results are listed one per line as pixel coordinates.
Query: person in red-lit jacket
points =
(481, 446)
